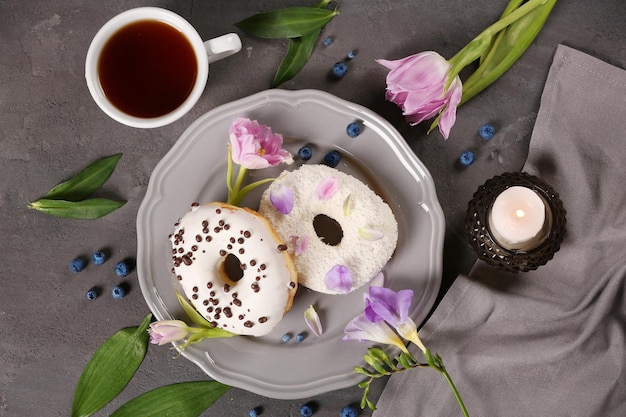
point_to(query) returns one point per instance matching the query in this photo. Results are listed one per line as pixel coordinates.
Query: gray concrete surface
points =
(50, 128)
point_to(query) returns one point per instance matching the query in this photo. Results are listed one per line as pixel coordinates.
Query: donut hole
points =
(328, 229)
(232, 269)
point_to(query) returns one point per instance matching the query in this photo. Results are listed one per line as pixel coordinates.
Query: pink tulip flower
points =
(417, 85)
(167, 331)
(255, 146)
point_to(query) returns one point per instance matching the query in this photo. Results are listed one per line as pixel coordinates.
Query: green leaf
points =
(193, 314)
(92, 208)
(509, 46)
(185, 399)
(212, 332)
(110, 369)
(374, 363)
(86, 181)
(298, 54)
(403, 360)
(381, 356)
(291, 22)
(362, 371)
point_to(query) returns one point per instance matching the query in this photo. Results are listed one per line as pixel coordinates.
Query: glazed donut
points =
(233, 268)
(336, 224)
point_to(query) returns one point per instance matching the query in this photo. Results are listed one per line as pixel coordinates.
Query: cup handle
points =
(222, 46)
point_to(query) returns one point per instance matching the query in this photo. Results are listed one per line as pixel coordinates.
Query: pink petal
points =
(312, 319)
(300, 244)
(327, 188)
(339, 279)
(448, 116)
(282, 199)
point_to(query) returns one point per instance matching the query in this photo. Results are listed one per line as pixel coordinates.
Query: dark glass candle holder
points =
(487, 247)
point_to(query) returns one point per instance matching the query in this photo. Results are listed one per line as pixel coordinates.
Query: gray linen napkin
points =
(550, 342)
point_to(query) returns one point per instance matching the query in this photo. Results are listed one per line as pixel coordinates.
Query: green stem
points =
(455, 392)
(511, 44)
(513, 4)
(473, 50)
(236, 199)
(436, 363)
(233, 193)
(229, 172)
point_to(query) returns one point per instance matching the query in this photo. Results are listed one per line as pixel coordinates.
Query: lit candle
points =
(518, 218)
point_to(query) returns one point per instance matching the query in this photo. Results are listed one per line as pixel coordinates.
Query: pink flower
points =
(255, 146)
(166, 331)
(417, 85)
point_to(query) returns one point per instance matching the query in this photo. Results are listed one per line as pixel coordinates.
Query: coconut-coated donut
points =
(233, 268)
(365, 229)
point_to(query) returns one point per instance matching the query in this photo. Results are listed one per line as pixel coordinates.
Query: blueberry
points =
(77, 265)
(300, 337)
(466, 158)
(487, 131)
(332, 159)
(98, 258)
(286, 338)
(351, 54)
(92, 294)
(253, 413)
(122, 269)
(305, 153)
(348, 411)
(353, 130)
(340, 69)
(306, 410)
(328, 40)
(118, 292)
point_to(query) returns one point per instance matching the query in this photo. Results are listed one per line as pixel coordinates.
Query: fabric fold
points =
(550, 342)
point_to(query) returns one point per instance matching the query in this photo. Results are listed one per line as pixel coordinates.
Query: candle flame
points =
(519, 213)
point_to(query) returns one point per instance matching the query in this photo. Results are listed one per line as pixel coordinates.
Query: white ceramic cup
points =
(205, 52)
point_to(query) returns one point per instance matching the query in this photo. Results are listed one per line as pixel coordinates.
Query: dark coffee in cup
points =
(147, 68)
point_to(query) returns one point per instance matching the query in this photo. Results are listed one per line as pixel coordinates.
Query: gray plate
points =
(194, 170)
